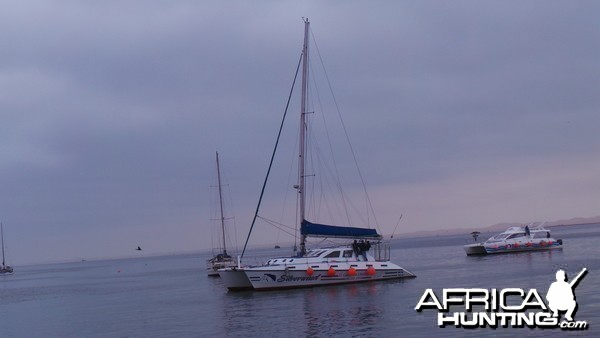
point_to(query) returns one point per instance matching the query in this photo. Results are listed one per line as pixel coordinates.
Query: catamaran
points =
(364, 257)
(221, 260)
(4, 268)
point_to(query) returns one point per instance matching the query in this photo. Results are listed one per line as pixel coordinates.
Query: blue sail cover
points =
(321, 230)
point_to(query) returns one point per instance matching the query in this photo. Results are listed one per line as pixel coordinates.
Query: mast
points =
(221, 204)
(302, 150)
(2, 240)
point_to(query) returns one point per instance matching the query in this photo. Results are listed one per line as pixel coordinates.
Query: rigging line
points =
(335, 173)
(226, 203)
(329, 181)
(275, 223)
(290, 233)
(288, 184)
(324, 240)
(296, 216)
(347, 203)
(370, 205)
(213, 207)
(310, 164)
(280, 226)
(262, 191)
(237, 246)
(333, 178)
(317, 159)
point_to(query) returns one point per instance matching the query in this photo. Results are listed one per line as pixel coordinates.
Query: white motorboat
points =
(516, 239)
(350, 263)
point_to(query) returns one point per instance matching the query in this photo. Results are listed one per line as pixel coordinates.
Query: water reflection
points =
(354, 309)
(387, 308)
(346, 310)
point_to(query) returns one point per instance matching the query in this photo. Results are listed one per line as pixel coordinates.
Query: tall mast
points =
(221, 204)
(2, 239)
(302, 150)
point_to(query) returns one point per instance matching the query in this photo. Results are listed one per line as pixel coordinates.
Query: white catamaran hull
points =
(264, 278)
(235, 279)
(309, 272)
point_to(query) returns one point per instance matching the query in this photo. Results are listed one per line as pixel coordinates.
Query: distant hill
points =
(571, 221)
(576, 220)
(500, 227)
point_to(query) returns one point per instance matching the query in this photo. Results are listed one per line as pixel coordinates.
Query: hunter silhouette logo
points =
(509, 307)
(561, 296)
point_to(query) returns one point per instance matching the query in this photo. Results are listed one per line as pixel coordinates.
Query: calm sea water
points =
(172, 297)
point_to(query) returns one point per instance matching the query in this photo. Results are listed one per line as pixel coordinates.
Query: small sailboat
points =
(222, 259)
(351, 262)
(4, 268)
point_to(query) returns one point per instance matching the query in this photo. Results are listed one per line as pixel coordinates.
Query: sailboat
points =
(4, 268)
(223, 259)
(352, 262)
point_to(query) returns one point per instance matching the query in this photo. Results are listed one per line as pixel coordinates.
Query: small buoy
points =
(331, 272)
(310, 271)
(352, 271)
(371, 271)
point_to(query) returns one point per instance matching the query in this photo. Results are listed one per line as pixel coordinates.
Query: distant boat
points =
(515, 239)
(139, 248)
(5, 268)
(277, 247)
(221, 260)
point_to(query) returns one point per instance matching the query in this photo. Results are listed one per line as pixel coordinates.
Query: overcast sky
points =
(461, 114)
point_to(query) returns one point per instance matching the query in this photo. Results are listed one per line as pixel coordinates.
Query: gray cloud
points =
(461, 114)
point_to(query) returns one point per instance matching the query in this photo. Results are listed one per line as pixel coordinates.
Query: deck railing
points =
(381, 251)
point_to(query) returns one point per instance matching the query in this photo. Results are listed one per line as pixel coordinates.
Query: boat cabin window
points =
(348, 253)
(333, 254)
(517, 235)
(315, 253)
(541, 234)
(498, 237)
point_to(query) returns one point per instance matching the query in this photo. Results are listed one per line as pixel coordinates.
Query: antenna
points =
(392, 236)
